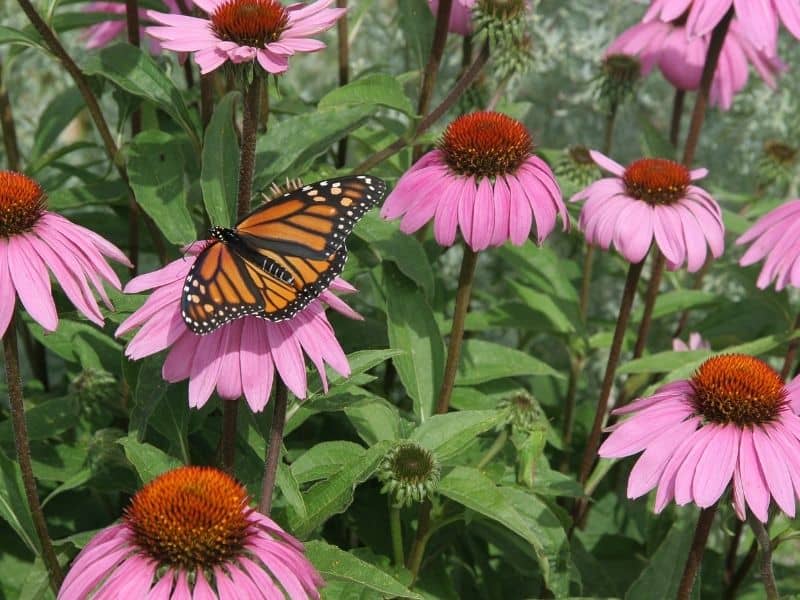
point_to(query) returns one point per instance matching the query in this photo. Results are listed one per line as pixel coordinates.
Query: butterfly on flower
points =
(278, 258)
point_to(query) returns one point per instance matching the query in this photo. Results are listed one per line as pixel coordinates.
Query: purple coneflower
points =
(652, 199)
(731, 422)
(483, 180)
(35, 242)
(190, 533)
(102, 34)
(242, 31)
(775, 237)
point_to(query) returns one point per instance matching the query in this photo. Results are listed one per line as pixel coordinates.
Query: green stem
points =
(396, 529)
(279, 402)
(20, 429)
(695, 557)
(496, 447)
(463, 295)
(421, 538)
(767, 573)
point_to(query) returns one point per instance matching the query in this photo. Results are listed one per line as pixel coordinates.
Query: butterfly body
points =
(279, 257)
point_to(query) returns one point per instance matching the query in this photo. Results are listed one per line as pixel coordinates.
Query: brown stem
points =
(344, 72)
(628, 294)
(449, 101)
(586, 280)
(741, 573)
(695, 557)
(767, 573)
(701, 103)
(677, 116)
(8, 128)
(434, 60)
(698, 283)
(791, 351)
(659, 262)
(414, 559)
(733, 549)
(230, 415)
(275, 444)
(132, 21)
(252, 97)
(14, 383)
(463, 295)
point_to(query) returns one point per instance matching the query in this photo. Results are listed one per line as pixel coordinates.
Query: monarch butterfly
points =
(279, 257)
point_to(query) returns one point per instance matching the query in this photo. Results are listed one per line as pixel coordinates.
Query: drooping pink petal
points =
(716, 465)
(32, 282)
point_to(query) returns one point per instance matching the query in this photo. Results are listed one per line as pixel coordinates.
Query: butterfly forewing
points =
(314, 220)
(280, 257)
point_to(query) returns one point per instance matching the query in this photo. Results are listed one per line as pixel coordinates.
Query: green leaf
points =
(290, 489)
(105, 193)
(337, 565)
(471, 488)
(389, 243)
(45, 420)
(333, 496)
(325, 459)
(219, 177)
(9, 35)
(662, 362)
(53, 120)
(149, 461)
(80, 343)
(417, 22)
(293, 143)
(447, 435)
(412, 328)
(360, 362)
(662, 574)
(373, 89)
(155, 166)
(14, 505)
(133, 70)
(678, 300)
(544, 303)
(483, 361)
(375, 419)
(150, 388)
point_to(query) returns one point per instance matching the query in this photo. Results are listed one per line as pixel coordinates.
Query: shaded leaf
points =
(483, 361)
(149, 461)
(219, 177)
(373, 89)
(447, 435)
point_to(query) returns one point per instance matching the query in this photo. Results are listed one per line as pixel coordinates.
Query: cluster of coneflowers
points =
(732, 426)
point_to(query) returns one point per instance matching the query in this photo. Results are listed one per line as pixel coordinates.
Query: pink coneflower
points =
(759, 19)
(460, 15)
(239, 358)
(34, 241)
(652, 199)
(696, 342)
(732, 421)
(246, 30)
(680, 58)
(190, 533)
(775, 236)
(102, 34)
(483, 180)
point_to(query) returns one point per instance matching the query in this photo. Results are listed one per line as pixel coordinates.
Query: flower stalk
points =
(132, 22)
(280, 402)
(695, 557)
(396, 530)
(344, 72)
(14, 383)
(764, 542)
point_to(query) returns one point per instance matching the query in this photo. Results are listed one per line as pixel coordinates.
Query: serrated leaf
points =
(155, 167)
(447, 435)
(149, 461)
(412, 328)
(219, 177)
(483, 361)
(337, 565)
(373, 89)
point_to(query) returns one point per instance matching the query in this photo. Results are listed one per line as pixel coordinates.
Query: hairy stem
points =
(463, 295)
(8, 128)
(344, 72)
(764, 542)
(273, 457)
(449, 101)
(695, 557)
(14, 383)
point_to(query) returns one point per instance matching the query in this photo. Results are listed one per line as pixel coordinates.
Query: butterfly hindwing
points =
(313, 221)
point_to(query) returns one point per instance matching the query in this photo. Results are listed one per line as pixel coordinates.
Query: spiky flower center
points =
(412, 463)
(409, 472)
(738, 389)
(622, 68)
(657, 180)
(254, 23)
(22, 202)
(191, 517)
(485, 144)
(581, 156)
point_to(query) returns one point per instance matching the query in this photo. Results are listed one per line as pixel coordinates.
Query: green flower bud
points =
(409, 472)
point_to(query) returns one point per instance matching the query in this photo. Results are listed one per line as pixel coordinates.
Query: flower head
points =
(774, 238)
(239, 358)
(482, 179)
(696, 342)
(652, 199)
(759, 19)
(680, 58)
(523, 412)
(409, 472)
(778, 163)
(460, 15)
(243, 31)
(35, 242)
(619, 74)
(102, 34)
(190, 533)
(731, 422)
(576, 166)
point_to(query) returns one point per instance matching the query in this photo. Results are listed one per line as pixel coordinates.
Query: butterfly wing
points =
(223, 285)
(313, 221)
